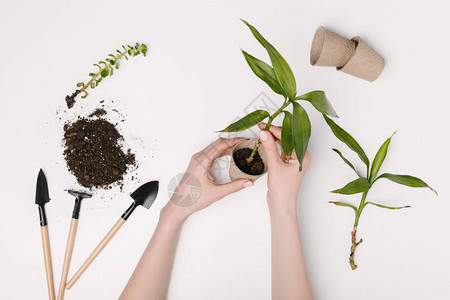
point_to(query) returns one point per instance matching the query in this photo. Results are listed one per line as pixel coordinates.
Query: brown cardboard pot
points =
(330, 49)
(365, 62)
(235, 172)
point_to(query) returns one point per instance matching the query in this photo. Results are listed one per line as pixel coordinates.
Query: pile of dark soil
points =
(94, 154)
(256, 167)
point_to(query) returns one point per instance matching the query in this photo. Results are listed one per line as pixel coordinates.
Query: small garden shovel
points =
(42, 197)
(79, 196)
(145, 195)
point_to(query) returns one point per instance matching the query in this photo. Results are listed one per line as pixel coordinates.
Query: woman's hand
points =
(283, 178)
(197, 188)
(289, 276)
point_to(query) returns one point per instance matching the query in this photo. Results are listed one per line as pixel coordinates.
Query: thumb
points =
(270, 147)
(233, 187)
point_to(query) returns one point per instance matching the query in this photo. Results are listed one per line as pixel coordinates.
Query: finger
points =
(274, 130)
(219, 148)
(270, 147)
(226, 189)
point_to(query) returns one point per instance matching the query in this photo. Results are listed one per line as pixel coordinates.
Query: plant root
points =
(353, 248)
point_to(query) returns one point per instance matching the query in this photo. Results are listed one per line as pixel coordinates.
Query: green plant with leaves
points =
(105, 69)
(363, 184)
(296, 129)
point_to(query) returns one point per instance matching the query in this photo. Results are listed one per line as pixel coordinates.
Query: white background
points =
(195, 81)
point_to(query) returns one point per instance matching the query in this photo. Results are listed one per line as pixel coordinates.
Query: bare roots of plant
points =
(353, 248)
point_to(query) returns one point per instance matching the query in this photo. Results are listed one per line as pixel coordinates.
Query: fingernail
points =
(263, 136)
(248, 184)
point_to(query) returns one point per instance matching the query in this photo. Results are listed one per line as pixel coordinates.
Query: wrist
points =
(174, 214)
(282, 207)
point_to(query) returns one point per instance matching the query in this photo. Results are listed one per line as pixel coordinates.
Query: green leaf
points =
(407, 180)
(264, 72)
(344, 204)
(379, 159)
(248, 121)
(92, 74)
(80, 84)
(105, 73)
(319, 100)
(287, 142)
(354, 187)
(346, 161)
(346, 138)
(99, 80)
(84, 95)
(99, 68)
(92, 85)
(385, 206)
(282, 70)
(301, 131)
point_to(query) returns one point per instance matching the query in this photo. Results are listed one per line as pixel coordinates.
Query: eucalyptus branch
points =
(105, 68)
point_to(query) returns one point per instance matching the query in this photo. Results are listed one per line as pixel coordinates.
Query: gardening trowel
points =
(42, 197)
(79, 196)
(145, 195)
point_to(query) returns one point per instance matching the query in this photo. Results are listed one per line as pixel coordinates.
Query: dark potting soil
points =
(256, 167)
(94, 154)
(98, 113)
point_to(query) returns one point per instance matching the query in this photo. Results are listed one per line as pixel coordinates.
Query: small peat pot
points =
(240, 168)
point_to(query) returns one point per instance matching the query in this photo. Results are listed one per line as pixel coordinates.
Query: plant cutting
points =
(105, 68)
(296, 130)
(364, 183)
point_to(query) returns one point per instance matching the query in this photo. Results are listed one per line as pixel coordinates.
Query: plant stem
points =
(269, 123)
(100, 71)
(355, 228)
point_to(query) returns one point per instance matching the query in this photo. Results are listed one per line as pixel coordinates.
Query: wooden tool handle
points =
(67, 257)
(48, 262)
(96, 252)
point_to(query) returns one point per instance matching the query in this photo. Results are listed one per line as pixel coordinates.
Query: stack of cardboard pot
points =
(353, 56)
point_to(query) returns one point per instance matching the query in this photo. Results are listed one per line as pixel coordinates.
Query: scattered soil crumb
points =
(98, 113)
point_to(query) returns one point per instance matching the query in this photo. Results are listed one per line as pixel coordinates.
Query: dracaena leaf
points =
(379, 159)
(354, 187)
(407, 180)
(264, 72)
(282, 70)
(344, 204)
(301, 131)
(385, 206)
(346, 138)
(287, 142)
(346, 161)
(248, 121)
(319, 100)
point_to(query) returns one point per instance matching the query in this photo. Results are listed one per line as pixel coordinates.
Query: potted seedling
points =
(248, 158)
(364, 183)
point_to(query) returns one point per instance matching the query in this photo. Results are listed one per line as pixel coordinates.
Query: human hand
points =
(197, 189)
(283, 178)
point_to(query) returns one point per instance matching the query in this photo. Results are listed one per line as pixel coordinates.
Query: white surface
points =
(195, 81)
